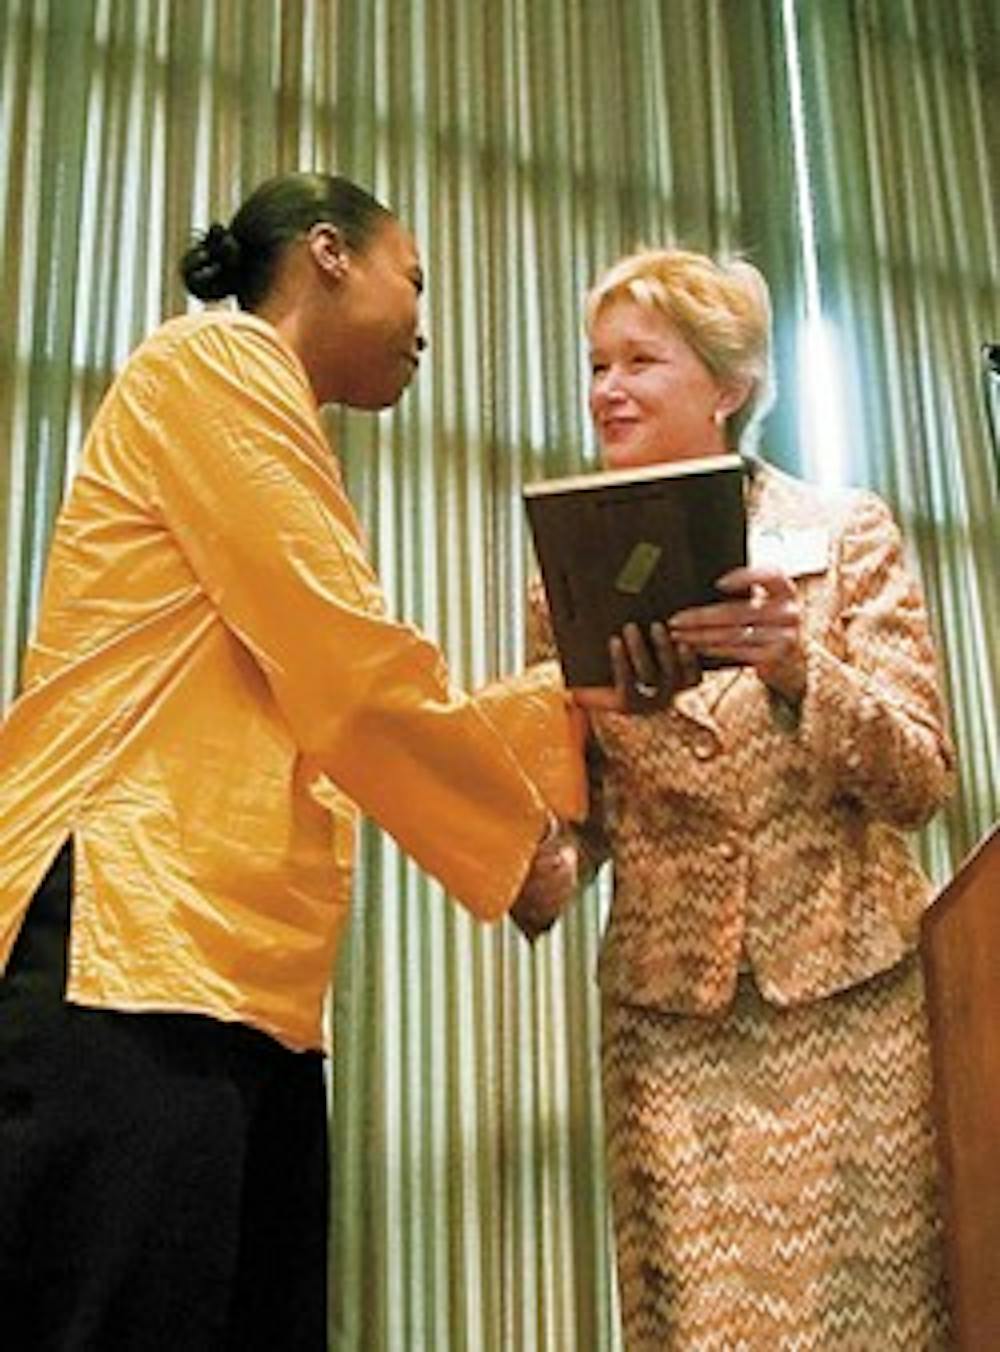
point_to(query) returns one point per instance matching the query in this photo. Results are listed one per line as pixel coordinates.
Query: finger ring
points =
(748, 633)
(645, 690)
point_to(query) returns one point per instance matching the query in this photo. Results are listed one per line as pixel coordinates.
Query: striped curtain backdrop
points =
(527, 143)
(902, 108)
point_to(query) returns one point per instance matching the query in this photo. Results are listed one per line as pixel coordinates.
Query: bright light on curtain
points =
(902, 106)
(822, 434)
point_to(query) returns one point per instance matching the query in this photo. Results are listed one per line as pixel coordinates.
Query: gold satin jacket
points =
(746, 835)
(214, 684)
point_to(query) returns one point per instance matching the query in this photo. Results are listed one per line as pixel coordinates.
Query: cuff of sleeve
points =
(546, 732)
(552, 828)
(835, 710)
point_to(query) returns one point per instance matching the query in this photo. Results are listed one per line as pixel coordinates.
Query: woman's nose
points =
(605, 387)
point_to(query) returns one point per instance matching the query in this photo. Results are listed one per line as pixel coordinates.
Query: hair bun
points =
(212, 265)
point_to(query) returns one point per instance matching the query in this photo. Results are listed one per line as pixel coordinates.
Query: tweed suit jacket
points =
(746, 834)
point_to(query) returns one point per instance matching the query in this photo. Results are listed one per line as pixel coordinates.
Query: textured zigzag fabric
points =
(766, 1066)
(774, 1176)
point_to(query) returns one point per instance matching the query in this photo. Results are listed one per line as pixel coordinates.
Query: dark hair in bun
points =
(241, 259)
(211, 266)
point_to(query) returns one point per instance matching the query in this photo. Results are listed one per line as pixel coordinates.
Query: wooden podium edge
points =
(969, 870)
(939, 909)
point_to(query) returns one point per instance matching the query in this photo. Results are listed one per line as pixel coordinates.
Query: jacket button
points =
(853, 760)
(704, 747)
(729, 849)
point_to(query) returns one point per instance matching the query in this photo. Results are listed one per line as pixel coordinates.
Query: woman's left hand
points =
(760, 627)
(647, 673)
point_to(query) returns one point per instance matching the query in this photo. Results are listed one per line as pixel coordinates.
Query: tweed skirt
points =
(773, 1173)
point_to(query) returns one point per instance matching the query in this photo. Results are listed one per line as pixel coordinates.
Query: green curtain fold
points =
(527, 144)
(902, 109)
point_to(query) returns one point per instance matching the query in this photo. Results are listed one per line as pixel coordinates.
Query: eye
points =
(598, 368)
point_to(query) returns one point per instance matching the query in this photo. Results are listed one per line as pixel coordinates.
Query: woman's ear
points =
(732, 396)
(329, 250)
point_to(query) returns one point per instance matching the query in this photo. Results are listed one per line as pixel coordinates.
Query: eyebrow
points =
(630, 344)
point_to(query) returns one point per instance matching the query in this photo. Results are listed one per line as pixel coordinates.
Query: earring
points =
(718, 417)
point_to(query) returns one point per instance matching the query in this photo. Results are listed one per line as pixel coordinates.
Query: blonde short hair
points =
(722, 310)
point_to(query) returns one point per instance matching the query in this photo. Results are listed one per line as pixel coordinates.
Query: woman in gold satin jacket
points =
(212, 686)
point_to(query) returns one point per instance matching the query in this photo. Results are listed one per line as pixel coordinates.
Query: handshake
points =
(550, 883)
(647, 672)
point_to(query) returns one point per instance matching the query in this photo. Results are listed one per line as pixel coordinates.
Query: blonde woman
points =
(765, 1052)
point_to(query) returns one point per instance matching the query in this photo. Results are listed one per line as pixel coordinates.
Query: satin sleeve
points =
(244, 479)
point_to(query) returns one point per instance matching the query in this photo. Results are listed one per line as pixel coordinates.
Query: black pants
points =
(163, 1177)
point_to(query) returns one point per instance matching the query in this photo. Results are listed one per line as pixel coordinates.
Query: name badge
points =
(797, 552)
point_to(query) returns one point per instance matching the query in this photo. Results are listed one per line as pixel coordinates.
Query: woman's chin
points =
(626, 457)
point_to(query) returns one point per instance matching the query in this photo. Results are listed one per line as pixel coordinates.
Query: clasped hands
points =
(552, 879)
